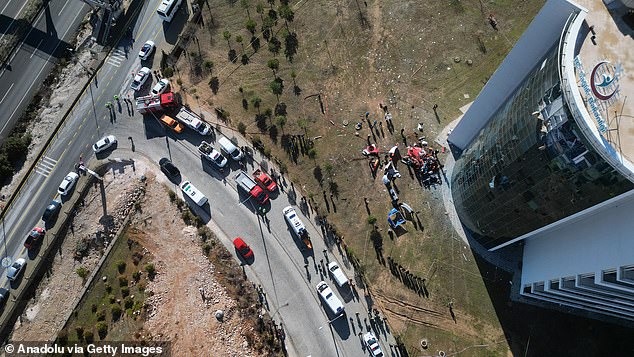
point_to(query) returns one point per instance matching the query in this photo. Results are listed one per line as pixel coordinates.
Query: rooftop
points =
(606, 56)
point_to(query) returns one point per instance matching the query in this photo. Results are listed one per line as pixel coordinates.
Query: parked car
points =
(146, 50)
(172, 124)
(52, 211)
(140, 78)
(104, 143)
(160, 86)
(4, 296)
(168, 168)
(15, 269)
(68, 183)
(35, 237)
(340, 277)
(373, 344)
(265, 180)
(243, 248)
(329, 298)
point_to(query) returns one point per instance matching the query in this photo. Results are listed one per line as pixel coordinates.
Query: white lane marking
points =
(21, 43)
(36, 47)
(40, 72)
(13, 19)
(7, 92)
(63, 7)
(5, 6)
(116, 58)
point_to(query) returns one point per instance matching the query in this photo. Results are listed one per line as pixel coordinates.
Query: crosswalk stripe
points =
(45, 166)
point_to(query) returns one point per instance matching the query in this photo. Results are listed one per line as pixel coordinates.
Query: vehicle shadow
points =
(172, 30)
(35, 249)
(242, 260)
(203, 212)
(340, 324)
(214, 171)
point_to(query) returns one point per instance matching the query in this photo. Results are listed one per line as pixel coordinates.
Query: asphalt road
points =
(33, 60)
(279, 261)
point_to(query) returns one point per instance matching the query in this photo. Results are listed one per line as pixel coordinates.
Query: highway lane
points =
(279, 264)
(11, 11)
(81, 130)
(27, 68)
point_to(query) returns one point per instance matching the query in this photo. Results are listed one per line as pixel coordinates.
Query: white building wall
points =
(600, 238)
(541, 35)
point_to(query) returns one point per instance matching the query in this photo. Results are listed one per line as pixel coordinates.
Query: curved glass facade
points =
(530, 165)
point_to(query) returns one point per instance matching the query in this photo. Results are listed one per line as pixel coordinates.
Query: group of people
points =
(410, 280)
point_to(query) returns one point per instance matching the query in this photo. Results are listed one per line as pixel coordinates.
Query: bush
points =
(89, 337)
(168, 72)
(107, 287)
(80, 333)
(312, 153)
(206, 249)
(371, 219)
(82, 272)
(102, 329)
(112, 298)
(136, 275)
(121, 266)
(141, 286)
(93, 308)
(172, 195)
(62, 337)
(115, 309)
(242, 128)
(101, 315)
(128, 302)
(123, 281)
(149, 268)
(125, 291)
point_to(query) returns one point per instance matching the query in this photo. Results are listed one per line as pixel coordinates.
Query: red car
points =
(243, 248)
(264, 180)
(34, 237)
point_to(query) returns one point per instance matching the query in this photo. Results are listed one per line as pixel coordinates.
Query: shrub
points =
(128, 302)
(125, 291)
(101, 315)
(149, 268)
(141, 286)
(371, 219)
(283, 168)
(102, 329)
(112, 298)
(115, 309)
(82, 272)
(242, 128)
(80, 333)
(168, 72)
(89, 337)
(107, 287)
(206, 249)
(312, 153)
(62, 337)
(136, 275)
(93, 308)
(172, 195)
(123, 281)
(121, 266)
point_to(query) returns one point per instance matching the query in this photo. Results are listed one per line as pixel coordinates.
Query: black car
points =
(4, 296)
(168, 168)
(52, 211)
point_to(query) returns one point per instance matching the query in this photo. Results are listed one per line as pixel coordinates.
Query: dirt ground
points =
(176, 311)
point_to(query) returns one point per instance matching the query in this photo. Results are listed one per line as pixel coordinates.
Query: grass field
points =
(408, 55)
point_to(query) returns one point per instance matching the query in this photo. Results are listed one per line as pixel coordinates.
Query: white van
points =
(291, 217)
(329, 298)
(192, 192)
(340, 277)
(228, 147)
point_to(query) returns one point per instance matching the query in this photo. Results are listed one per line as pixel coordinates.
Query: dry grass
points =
(408, 55)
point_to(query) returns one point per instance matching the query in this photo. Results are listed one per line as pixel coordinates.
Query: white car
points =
(104, 143)
(161, 86)
(340, 277)
(373, 344)
(146, 50)
(329, 298)
(217, 158)
(14, 270)
(68, 183)
(140, 78)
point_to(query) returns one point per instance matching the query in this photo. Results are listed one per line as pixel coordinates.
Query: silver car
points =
(140, 78)
(14, 270)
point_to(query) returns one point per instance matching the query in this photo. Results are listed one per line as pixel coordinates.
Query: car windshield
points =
(334, 268)
(15, 265)
(146, 47)
(244, 249)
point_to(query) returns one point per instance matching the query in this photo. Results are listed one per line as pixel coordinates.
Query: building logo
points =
(602, 90)
(604, 81)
